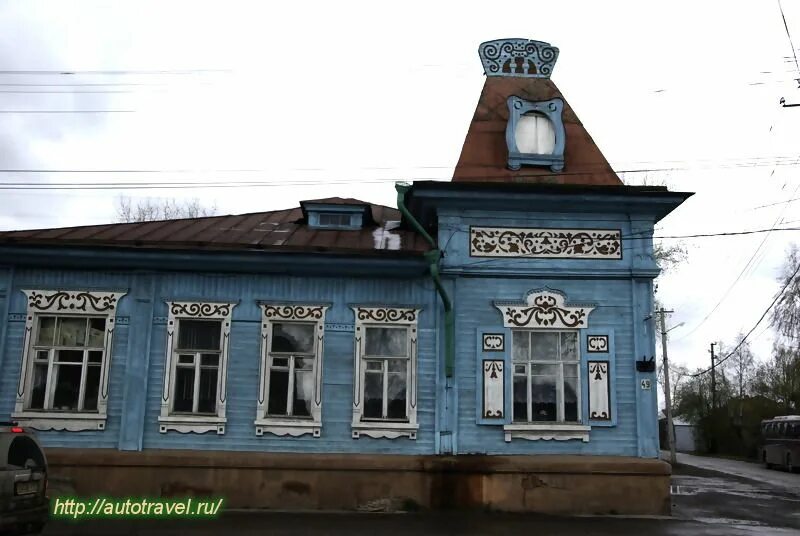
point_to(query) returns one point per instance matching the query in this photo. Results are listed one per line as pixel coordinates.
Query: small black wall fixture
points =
(646, 365)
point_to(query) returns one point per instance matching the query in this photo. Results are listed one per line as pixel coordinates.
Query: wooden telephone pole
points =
(667, 397)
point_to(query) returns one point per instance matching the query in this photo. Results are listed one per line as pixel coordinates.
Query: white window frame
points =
(546, 310)
(65, 303)
(185, 423)
(382, 317)
(290, 313)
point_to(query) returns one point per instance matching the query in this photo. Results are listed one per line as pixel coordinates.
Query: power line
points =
(789, 35)
(719, 361)
(66, 111)
(113, 72)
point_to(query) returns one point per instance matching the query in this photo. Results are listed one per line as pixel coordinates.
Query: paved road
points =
(749, 470)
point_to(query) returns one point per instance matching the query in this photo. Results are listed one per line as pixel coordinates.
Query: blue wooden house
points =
(486, 343)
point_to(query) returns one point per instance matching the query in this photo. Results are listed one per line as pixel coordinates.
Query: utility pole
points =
(667, 396)
(713, 380)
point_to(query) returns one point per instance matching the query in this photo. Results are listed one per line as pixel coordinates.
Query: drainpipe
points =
(434, 256)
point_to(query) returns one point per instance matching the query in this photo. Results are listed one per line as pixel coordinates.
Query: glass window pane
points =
(376, 366)
(38, 386)
(571, 371)
(571, 399)
(520, 410)
(92, 388)
(544, 370)
(96, 356)
(207, 397)
(47, 330)
(68, 383)
(199, 334)
(386, 342)
(71, 332)
(397, 365)
(186, 359)
(544, 346)
(97, 332)
(303, 363)
(280, 362)
(209, 360)
(373, 395)
(278, 392)
(520, 369)
(520, 345)
(42, 355)
(303, 392)
(543, 398)
(295, 338)
(569, 346)
(69, 356)
(396, 394)
(184, 389)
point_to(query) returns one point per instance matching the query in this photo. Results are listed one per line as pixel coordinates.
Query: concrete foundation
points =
(546, 484)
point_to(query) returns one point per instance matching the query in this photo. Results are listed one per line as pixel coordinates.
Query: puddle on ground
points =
(729, 521)
(690, 485)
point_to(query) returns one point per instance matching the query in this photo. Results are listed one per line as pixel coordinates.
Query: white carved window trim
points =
(370, 316)
(65, 303)
(198, 424)
(285, 314)
(546, 309)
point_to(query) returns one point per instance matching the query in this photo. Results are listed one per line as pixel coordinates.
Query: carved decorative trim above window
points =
(545, 243)
(80, 330)
(544, 309)
(297, 416)
(385, 350)
(518, 57)
(195, 419)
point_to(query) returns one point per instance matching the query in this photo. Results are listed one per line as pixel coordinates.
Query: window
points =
(546, 384)
(535, 134)
(290, 395)
(195, 367)
(66, 357)
(385, 373)
(332, 219)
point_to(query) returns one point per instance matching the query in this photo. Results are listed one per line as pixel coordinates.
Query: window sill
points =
(70, 422)
(385, 430)
(290, 427)
(547, 432)
(195, 424)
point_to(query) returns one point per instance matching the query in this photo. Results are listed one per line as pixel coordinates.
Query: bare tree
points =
(678, 373)
(741, 363)
(785, 315)
(155, 209)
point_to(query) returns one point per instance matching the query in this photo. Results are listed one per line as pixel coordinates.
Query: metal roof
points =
(279, 230)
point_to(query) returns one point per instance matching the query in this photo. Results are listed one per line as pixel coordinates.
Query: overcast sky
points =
(343, 98)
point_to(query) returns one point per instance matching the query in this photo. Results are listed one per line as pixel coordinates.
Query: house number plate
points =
(646, 385)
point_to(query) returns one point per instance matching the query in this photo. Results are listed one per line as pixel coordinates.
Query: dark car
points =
(23, 481)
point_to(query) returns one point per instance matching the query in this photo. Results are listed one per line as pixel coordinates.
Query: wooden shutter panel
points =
(491, 380)
(598, 350)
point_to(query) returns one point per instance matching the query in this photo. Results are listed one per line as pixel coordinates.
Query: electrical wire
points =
(771, 305)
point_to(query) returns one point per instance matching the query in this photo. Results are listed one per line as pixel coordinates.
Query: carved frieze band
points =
(518, 57)
(389, 315)
(545, 243)
(544, 309)
(597, 344)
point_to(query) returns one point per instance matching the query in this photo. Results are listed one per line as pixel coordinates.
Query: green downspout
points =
(434, 256)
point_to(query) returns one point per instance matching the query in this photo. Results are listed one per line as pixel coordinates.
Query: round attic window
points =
(535, 134)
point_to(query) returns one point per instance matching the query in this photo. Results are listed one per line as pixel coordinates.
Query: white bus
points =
(780, 440)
